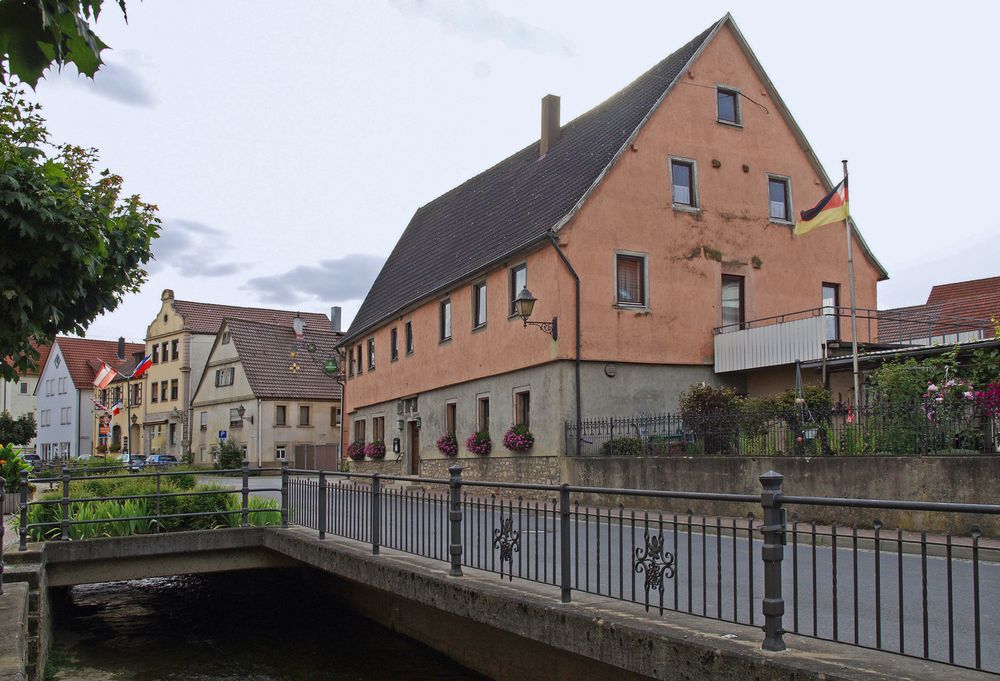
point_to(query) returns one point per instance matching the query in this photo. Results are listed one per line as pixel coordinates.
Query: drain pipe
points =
(576, 280)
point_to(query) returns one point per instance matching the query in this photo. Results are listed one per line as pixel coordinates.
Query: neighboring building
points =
(18, 397)
(121, 433)
(656, 228)
(290, 405)
(65, 390)
(179, 340)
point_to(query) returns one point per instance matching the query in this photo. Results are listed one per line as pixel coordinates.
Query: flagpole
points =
(854, 307)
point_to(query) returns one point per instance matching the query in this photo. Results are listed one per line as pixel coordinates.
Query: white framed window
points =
(684, 181)
(24, 387)
(235, 420)
(371, 354)
(279, 452)
(223, 377)
(518, 281)
(445, 321)
(779, 196)
(204, 420)
(728, 105)
(479, 305)
(631, 279)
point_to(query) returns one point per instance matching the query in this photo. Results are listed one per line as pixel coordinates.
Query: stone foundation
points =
(520, 468)
(386, 466)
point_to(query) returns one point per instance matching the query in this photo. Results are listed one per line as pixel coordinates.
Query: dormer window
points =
(728, 102)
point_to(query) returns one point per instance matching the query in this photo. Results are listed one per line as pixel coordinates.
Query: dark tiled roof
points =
(979, 298)
(83, 358)
(264, 354)
(516, 202)
(206, 317)
(950, 308)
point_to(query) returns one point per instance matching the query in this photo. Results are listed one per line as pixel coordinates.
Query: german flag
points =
(832, 208)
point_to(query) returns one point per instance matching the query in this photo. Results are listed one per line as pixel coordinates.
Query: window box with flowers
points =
(518, 438)
(375, 450)
(356, 451)
(479, 443)
(447, 444)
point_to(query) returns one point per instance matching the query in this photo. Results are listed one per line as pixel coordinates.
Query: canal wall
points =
(14, 633)
(956, 479)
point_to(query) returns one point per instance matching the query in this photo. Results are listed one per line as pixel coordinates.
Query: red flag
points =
(105, 376)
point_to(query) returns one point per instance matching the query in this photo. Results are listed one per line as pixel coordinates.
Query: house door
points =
(414, 448)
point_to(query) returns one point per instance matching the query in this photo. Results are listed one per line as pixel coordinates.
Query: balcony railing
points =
(812, 334)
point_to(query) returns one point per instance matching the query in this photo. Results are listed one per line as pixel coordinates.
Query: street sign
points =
(222, 435)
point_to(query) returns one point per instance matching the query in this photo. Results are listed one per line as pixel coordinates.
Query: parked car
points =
(33, 459)
(134, 462)
(162, 460)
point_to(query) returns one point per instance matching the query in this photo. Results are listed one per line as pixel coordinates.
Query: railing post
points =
(284, 493)
(455, 516)
(772, 554)
(321, 521)
(376, 513)
(3, 500)
(64, 504)
(159, 521)
(564, 550)
(245, 494)
(23, 530)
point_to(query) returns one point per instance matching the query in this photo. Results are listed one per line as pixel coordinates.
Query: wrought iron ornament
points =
(654, 563)
(508, 540)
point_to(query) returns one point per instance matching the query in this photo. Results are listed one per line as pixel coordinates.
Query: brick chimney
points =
(550, 123)
(121, 347)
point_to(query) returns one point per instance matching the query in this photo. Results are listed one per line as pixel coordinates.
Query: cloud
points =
(121, 84)
(184, 245)
(337, 280)
(476, 20)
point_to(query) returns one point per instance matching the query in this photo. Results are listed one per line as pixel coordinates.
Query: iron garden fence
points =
(931, 597)
(924, 427)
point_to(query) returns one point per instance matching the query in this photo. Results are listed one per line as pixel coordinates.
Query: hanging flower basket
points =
(447, 444)
(479, 443)
(356, 451)
(518, 439)
(375, 450)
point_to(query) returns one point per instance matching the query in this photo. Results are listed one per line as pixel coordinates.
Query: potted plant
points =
(479, 443)
(356, 451)
(518, 438)
(447, 444)
(375, 450)
(11, 465)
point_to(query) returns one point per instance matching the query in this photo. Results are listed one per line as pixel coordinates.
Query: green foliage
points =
(230, 454)
(11, 465)
(73, 245)
(267, 511)
(36, 34)
(623, 446)
(19, 431)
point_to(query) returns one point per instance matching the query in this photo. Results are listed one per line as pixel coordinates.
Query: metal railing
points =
(900, 327)
(922, 427)
(931, 597)
(913, 594)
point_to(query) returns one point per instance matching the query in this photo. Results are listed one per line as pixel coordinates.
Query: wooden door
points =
(414, 448)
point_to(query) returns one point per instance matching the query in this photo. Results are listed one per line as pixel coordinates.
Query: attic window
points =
(225, 337)
(165, 318)
(728, 106)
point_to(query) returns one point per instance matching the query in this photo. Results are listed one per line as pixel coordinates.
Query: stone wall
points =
(959, 479)
(517, 468)
(386, 466)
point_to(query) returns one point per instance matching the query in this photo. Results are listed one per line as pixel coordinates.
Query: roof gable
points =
(83, 357)
(205, 318)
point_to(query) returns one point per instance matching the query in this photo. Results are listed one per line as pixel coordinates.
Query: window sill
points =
(783, 223)
(477, 329)
(306, 425)
(629, 307)
(281, 425)
(444, 340)
(729, 124)
(684, 208)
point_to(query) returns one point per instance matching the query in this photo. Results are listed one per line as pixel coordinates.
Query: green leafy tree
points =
(73, 246)
(19, 431)
(230, 454)
(34, 34)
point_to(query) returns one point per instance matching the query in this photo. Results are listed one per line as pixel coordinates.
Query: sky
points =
(288, 144)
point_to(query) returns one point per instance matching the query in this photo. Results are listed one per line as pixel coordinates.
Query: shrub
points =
(268, 511)
(115, 448)
(230, 454)
(447, 444)
(102, 448)
(11, 465)
(375, 449)
(356, 451)
(623, 446)
(518, 438)
(479, 443)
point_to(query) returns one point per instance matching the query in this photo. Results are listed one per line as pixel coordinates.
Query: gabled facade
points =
(65, 390)
(646, 227)
(288, 401)
(179, 340)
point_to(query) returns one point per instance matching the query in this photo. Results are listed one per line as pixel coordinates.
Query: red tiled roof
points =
(264, 354)
(83, 357)
(978, 298)
(207, 317)
(43, 355)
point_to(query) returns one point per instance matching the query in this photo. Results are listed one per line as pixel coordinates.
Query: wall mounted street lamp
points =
(524, 304)
(241, 411)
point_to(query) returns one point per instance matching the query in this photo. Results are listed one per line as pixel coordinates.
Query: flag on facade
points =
(116, 408)
(142, 366)
(99, 405)
(105, 376)
(832, 208)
